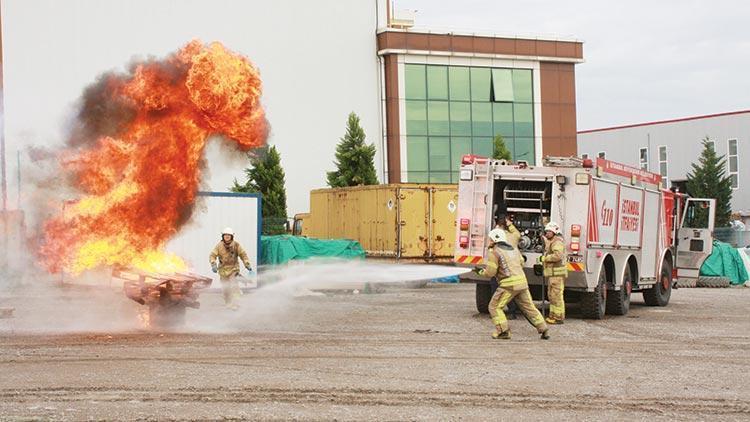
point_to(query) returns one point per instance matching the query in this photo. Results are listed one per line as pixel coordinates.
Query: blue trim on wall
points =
(231, 194)
(259, 212)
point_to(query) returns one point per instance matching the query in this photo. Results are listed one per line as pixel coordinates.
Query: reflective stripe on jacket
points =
(507, 266)
(555, 259)
(229, 264)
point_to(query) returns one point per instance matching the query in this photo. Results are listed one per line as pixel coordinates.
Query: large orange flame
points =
(137, 152)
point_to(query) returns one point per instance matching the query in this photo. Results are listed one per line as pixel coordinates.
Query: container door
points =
(443, 207)
(413, 227)
(694, 236)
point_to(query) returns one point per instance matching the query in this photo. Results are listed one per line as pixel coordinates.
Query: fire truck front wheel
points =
(659, 294)
(594, 304)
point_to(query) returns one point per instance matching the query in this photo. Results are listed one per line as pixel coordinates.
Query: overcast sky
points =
(645, 60)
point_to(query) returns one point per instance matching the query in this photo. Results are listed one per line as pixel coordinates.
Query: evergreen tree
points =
(266, 176)
(708, 179)
(499, 150)
(355, 163)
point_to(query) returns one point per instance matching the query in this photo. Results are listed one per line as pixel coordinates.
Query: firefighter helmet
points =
(552, 227)
(498, 236)
(228, 230)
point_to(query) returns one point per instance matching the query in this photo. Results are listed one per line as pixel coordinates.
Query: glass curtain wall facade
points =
(456, 110)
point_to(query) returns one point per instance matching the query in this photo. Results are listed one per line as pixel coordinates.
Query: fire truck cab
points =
(624, 232)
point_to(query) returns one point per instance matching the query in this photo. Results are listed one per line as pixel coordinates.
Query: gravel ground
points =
(402, 354)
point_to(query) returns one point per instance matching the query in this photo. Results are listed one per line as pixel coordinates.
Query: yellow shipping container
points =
(397, 221)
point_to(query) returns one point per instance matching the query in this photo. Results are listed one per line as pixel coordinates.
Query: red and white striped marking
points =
(593, 234)
(466, 259)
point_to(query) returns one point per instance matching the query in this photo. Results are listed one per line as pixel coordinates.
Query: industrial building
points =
(670, 147)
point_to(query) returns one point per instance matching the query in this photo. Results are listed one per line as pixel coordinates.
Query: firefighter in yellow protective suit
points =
(229, 252)
(556, 271)
(506, 263)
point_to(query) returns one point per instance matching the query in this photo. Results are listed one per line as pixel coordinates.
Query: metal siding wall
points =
(196, 240)
(683, 141)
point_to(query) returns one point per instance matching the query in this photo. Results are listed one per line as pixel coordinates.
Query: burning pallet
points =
(166, 295)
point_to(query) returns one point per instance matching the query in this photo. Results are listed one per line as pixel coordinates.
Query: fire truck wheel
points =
(483, 296)
(659, 294)
(618, 302)
(593, 304)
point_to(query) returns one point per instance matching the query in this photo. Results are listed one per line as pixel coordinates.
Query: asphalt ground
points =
(400, 354)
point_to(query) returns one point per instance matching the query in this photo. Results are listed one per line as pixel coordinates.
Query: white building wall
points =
(317, 60)
(683, 142)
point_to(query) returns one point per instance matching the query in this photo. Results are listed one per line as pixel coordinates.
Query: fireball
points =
(136, 156)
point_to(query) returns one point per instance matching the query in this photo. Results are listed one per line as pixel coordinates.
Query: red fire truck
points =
(624, 232)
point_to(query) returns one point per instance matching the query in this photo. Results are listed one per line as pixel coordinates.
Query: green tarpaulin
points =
(725, 261)
(281, 249)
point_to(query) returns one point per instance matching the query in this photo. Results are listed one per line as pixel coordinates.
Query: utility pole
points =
(2, 120)
(4, 215)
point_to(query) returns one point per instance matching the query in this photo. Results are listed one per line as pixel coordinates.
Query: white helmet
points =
(552, 227)
(498, 236)
(228, 230)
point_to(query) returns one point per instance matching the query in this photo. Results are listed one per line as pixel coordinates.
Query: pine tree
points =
(499, 150)
(708, 179)
(355, 163)
(266, 176)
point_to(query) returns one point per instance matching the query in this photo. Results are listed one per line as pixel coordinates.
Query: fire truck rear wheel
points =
(659, 294)
(483, 296)
(618, 302)
(594, 304)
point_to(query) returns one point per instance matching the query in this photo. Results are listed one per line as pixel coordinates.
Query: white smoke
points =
(45, 307)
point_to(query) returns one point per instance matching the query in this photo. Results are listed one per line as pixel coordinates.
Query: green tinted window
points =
(440, 154)
(481, 119)
(458, 83)
(460, 146)
(460, 119)
(522, 91)
(416, 153)
(482, 146)
(480, 84)
(415, 82)
(456, 110)
(437, 116)
(524, 149)
(418, 177)
(502, 84)
(437, 82)
(502, 116)
(440, 177)
(416, 117)
(523, 115)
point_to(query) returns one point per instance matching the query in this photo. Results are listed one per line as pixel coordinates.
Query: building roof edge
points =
(659, 122)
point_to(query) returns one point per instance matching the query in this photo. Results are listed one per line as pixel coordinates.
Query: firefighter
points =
(228, 251)
(555, 270)
(504, 221)
(506, 263)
